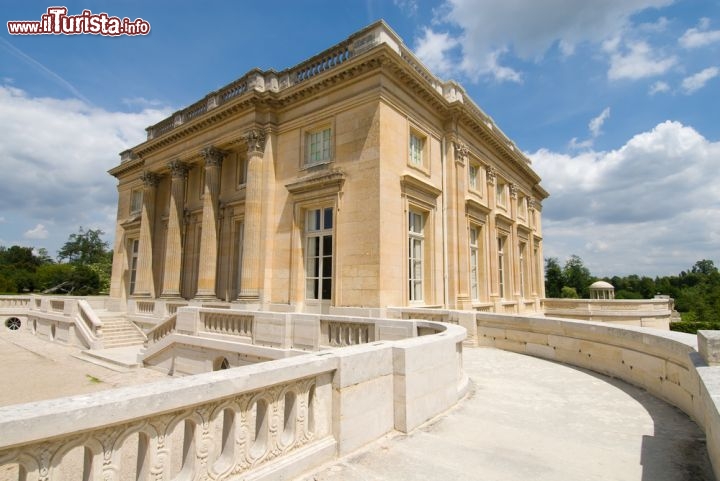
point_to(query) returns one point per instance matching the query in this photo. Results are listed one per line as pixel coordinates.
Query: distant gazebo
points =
(602, 290)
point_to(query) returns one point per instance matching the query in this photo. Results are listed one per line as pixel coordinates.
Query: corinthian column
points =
(145, 284)
(250, 274)
(209, 239)
(173, 243)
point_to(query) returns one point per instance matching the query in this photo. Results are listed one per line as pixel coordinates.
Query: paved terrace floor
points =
(524, 419)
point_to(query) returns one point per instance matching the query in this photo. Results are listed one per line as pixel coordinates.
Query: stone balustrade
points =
(197, 337)
(376, 34)
(273, 420)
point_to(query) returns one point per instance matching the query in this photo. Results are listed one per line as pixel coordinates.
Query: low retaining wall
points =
(655, 313)
(666, 364)
(273, 420)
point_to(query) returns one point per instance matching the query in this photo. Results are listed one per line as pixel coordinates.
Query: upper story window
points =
(417, 149)
(473, 176)
(501, 193)
(318, 147)
(136, 199)
(522, 207)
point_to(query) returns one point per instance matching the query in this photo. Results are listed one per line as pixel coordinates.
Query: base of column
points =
(171, 295)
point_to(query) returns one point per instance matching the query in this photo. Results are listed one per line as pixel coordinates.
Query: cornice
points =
(126, 167)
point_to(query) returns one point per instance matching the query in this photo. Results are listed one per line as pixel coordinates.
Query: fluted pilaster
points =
(173, 243)
(250, 275)
(145, 285)
(209, 240)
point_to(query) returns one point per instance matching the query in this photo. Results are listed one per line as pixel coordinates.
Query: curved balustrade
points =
(272, 420)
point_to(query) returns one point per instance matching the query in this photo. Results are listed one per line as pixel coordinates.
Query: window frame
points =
(136, 195)
(416, 257)
(308, 143)
(474, 251)
(321, 233)
(502, 265)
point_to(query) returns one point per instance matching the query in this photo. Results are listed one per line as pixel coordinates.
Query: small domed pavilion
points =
(602, 290)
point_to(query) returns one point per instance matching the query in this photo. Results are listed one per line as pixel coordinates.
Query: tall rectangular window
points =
(521, 261)
(136, 198)
(416, 245)
(417, 145)
(318, 147)
(501, 267)
(500, 194)
(473, 176)
(134, 248)
(474, 264)
(319, 253)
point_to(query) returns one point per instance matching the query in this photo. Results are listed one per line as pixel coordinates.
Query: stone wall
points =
(653, 313)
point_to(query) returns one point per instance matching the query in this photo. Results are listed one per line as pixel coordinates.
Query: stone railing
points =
(358, 43)
(272, 420)
(157, 333)
(641, 312)
(208, 334)
(14, 302)
(65, 319)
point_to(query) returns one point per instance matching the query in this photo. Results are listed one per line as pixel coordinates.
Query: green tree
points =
(578, 276)
(553, 278)
(84, 247)
(568, 293)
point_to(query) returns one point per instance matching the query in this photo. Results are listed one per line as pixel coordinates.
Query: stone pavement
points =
(34, 369)
(530, 419)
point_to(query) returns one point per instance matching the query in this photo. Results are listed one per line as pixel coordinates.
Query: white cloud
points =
(56, 154)
(701, 36)
(697, 81)
(621, 210)
(639, 61)
(527, 29)
(433, 49)
(594, 127)
(37, 232)
(659, 87)
(596, 124)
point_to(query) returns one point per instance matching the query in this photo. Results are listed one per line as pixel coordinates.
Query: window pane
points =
(311, 288)
(327, 218)
(313, 220)
(326, 288)
(327, 266)
(327, 245)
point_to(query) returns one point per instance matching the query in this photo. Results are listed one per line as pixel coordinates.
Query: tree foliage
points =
(85, 272)
(696, 291)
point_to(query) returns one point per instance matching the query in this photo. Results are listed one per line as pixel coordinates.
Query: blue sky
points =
(615, 101)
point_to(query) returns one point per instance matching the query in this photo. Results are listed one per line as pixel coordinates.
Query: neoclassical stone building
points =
(355, 179)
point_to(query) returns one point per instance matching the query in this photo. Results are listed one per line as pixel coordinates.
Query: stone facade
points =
(355, 179)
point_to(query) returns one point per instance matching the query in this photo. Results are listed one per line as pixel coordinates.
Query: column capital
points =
(513, 191)
(255, 139)
(213, 156)
(491, 175)
(150, 179)
(532, 203)
(461, 151)
(178, 169)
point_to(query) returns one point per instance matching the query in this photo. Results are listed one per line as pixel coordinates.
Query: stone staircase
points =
(118, 331)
